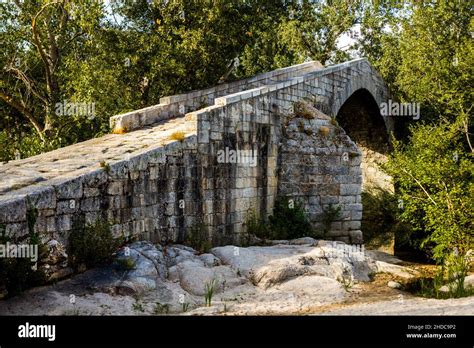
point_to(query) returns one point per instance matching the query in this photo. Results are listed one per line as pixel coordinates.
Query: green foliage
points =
(138, 306)
(380, 219)
(289, 220)
(346, 281)
(450, 276)
(161, 308)
(454, 269)
(330, 214)
(91, 245)
(209, 289)
(126, 264)
(433, 175)
(426, 57)
(105, 166)
(19, 274)
(185, 306)
(197, 237)
(442, 36)
(257, 226)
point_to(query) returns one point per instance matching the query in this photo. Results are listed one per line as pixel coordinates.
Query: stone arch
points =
(360, 117)
(363, 77)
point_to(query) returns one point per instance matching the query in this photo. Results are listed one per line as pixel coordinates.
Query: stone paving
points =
(87, 156)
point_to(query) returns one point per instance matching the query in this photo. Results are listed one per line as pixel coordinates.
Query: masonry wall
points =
(319, 166)
(255, 119)
(139, 197)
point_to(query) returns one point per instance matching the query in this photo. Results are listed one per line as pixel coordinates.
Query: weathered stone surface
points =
(468, 282)
(148, 266)
(399, 271)
(289, 279)
(394, 285)
(303, 241)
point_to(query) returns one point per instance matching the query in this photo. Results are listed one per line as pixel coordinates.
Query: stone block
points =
(356, 237)
(115, 188)
(350, 189)
(13, 210)
(351, 225)
(69, 189)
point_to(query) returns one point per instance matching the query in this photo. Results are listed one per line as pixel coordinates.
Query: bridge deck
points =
(86, 156)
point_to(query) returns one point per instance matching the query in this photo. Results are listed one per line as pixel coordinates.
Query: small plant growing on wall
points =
(178, 136)
(119, 130)
(301, 127)
(323, 131)
(301, 109)
(105, 166)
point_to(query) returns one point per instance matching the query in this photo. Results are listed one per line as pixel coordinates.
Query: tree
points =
(433, 175)
(126, 55)
(425, 52)
(38, 38)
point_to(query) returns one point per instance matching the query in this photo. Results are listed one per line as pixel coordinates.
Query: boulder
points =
(396, 270)
(468, 282)
(179, 253)
(304, 241)
(209, 260)
(194, 277)
(145, 266)
(394, 285)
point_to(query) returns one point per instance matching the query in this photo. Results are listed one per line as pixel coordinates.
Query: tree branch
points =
(419, 184)
(24, 111)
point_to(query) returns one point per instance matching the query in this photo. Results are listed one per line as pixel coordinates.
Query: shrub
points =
(433, 177)
(323, 131)
(91, 245)
(301, 109)
(454, 269)
(450, 276)
(330, 214)
(19, 274)
(289, 220)
(257, 226)
(380, 220)
(179, 136)
(198, 238)
(119, 130)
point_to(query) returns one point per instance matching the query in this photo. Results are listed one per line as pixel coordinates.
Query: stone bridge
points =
(209, 158)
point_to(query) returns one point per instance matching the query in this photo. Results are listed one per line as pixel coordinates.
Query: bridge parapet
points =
(178, 105)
